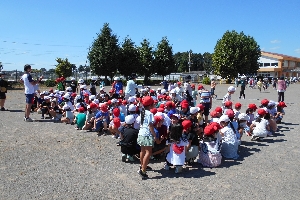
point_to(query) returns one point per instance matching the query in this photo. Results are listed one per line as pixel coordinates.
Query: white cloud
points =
(274, 48)
(297, 50)
(275, 41)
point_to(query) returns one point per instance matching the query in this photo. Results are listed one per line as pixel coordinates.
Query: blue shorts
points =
(29, 98)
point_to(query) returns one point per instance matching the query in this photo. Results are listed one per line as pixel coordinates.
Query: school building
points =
(276, 65)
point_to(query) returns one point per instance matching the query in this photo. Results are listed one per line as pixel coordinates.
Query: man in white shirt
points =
(130, 87)
(29, 84)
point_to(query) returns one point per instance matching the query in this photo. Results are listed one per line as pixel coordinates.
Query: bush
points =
(50, 83)
(206, 80)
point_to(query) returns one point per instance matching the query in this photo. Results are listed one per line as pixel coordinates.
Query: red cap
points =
(201, 106)
(264, 102)
(111, 91)
(177, 149)
(86, 95)
(184, 105)
(157, 119)
(162, 105)
(281, 104)
(108, 102)
(116, 112)
(124, 102)
(193, 86)
(81, 110)
(147, 101)
(168, 98)
(237, 105)
(213, 113)
(230, 113)
(121, 92)
(228, 104)
(215, 125)
(104, 107)
(93, 105)
(117, 122)
(261, 111)
(186, 124)
(208, 130)
(153, 111)
(252, 106)
(170, 104)
(73, 94)
(160, 110)
(178, 83)
(200, 87)
(219, 110)
(151, 91)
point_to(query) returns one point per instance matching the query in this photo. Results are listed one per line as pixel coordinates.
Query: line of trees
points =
(234, 53)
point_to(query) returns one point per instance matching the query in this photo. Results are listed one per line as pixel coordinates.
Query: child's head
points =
(186, 124)
(116, 122)
(158, 120)
(264, 102)
(116, 112)
(211, 130)
(176, 132)
(129, 120)
(251, 108)
(194, 111)
(242, 119)
(238, 106)
(228, 104)
(231, 90)
(230, 114)
(81, 110)
(271, 104)
(224, 120)
(261, 113)
(219, 111)
(175, 118)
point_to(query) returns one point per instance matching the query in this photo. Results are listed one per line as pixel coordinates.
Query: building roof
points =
(279, 56)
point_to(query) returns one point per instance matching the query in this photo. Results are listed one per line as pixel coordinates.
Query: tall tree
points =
(196, 62)
(164, 61)
(181, 61)
(129, 58)
(207, 63)
(146, 58)
(235, 53)
(103, 55)
(63, 68)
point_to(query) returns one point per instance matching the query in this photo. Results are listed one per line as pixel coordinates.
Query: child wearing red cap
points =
(209, 151)
(280, 112)
(177, 146)
(80, 118)
(146, 134)
(113, 127)
(101, 119)
(236, 110)
(250, 112)
(260, 127)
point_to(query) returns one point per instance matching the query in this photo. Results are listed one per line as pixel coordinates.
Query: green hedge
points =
(206, 81)
(50, 83)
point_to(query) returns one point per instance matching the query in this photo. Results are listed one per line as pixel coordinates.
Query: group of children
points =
(182, 130)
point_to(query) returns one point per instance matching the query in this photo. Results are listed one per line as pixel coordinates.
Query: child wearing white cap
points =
(227, 96)
(229, 140)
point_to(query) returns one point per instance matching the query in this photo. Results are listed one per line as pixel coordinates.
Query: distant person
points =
(3, 91)
(73, 85)
(29, 90)
(243, 87)
(213, 88)
(281, 87)
(130, 87)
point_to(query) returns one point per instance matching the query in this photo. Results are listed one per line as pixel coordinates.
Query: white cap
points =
(56, 91)
(129, 119)
(116, 79)
(231, 89)
(92, 97)
(163, 91)
(176, 115)
(243, 116)
(83, 87)
(51, 95)
(78, 105)
(224, 118)
(46, 97)
(160, 114)
(94, 79)
(96, 101)
(56, 95)
(42, 93)
(67, 96)
(114, 101)
(102, 95)
(172, 91)
(69, 89)
(271, 103)
(66, 107)
(102, 88)
(194, 110)
(131, 107)
(131, 99)
(72, 79)
(80, 81)
(159, 88)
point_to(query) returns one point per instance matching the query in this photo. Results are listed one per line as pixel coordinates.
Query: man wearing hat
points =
(131, 86)
(3, 91)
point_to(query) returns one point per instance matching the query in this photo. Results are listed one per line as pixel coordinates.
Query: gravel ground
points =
(47, 160)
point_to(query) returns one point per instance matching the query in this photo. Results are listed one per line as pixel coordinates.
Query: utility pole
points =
(189, 61)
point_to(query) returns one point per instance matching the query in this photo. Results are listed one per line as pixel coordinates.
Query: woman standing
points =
(281, 87)
(146, 135)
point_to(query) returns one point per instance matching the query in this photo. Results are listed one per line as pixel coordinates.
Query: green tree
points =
(181, 61)
(207, 63)
(63, 68)
(164, 60)
(196, 62)
(1, 66)
(129, 58)
(235, 53)
(103, 55)
(146, 58)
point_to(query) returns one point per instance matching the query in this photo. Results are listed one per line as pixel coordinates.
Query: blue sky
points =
(37, 32)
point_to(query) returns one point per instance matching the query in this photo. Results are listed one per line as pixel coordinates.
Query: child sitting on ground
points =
(280, 112)
(209, 151)
(80, 118)
(260, 126)
(236, 110)
(177, 148)
(250, 112)
(243, 127)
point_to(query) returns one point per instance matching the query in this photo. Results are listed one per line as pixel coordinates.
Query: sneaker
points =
(254, 138)
(147, 168)
(28, 119)
(178, 169)
(130, 158)
(124, 156)
(166, 166)
(24, 118)
(142, 174)
(42, 117)
(2, 109)
(105, 132)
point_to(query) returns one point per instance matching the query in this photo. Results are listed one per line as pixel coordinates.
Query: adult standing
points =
(243, 87)
(281, 87)
(29, 84)
(3, 91)
(73, 85)
(213, 88)
(130, 87)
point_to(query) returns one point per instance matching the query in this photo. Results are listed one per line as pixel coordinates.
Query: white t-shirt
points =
(29, 88)
(174, 158)
(144, 127)
(260, 129)
(130, 88)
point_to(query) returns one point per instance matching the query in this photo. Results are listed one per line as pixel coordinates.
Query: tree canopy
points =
(63, 68)
(235, 53)
(103, 55)
(163, 58)
(146, 59)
